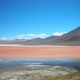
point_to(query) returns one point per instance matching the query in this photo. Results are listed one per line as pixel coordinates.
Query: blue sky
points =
(29, 18)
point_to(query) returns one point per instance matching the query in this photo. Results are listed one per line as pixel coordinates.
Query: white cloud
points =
(3, 38)
(42, 35)
(58, 33)
(30, 36)
(20, 36)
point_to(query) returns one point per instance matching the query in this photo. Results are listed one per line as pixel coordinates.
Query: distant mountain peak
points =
(70, 38)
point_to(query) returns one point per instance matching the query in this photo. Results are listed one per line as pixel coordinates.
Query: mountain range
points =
(72, 38)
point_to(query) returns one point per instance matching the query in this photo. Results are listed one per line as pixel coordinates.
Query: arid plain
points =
(40, 51)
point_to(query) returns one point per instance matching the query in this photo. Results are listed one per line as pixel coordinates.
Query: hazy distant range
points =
(71, 38)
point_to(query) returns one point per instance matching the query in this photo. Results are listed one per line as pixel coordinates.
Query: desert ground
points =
(42, 72)
(40, 51)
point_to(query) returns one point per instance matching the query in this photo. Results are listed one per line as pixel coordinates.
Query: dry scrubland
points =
(39, 73)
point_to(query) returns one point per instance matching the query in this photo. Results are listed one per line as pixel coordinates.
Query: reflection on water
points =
(66, 62)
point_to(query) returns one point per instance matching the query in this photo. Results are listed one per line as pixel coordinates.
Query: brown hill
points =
(70, 38)
(73, 35)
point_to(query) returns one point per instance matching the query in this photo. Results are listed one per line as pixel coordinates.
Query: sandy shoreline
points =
(16, 45)
(42, 51)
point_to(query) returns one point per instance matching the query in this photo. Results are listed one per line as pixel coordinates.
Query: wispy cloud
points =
(41, 35)
(3, 38)
(58, 33)
(30, 36)
(21, 36)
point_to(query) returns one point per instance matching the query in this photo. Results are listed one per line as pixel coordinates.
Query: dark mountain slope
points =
(71, 38)
(73, 35)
